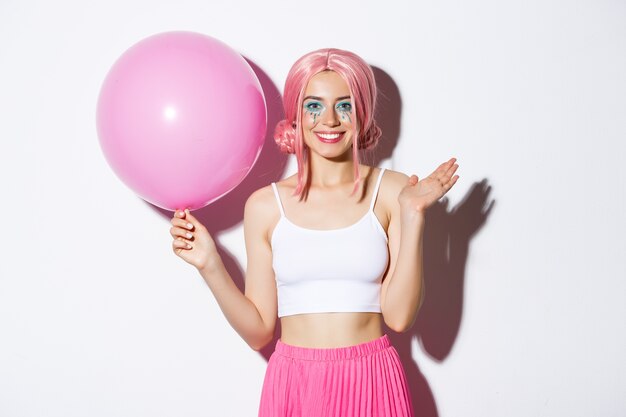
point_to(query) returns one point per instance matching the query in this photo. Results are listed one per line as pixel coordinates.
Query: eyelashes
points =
(344, 106)
(316, 108)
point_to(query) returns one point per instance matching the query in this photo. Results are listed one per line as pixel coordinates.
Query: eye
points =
(313, 106)
(344, 106)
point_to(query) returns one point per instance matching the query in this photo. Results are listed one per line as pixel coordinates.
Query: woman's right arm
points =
(253, 314)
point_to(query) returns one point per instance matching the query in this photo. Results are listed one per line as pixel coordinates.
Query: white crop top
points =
(337, 270)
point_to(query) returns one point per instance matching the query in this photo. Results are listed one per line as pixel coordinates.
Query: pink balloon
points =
(181, 119)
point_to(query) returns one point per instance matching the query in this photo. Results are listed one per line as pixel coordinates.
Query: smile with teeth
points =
(329, 137)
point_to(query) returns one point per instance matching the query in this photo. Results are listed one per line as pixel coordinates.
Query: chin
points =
(339, 155)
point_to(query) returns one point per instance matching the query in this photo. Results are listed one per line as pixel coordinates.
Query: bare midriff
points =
(330, 330)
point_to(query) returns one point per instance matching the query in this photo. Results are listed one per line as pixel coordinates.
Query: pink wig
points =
(360, 79)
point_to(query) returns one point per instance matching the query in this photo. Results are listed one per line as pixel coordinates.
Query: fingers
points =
(446, 170)
(191, 219)
(443, 167)
(451, 170)
(180, 243)
(181, 230)
(446, 166)
(181, 227)
(442, 170)
(183, 224)
(450, 183)
(451, 163)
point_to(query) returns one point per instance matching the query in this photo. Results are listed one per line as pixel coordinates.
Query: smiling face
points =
(327, 115)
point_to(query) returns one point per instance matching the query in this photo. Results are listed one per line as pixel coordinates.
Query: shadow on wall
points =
(227, 211)
(447, 237)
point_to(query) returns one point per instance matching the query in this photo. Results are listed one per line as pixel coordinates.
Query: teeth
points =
(325, 136)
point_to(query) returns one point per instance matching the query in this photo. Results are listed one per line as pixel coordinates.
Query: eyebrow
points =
(321, 99)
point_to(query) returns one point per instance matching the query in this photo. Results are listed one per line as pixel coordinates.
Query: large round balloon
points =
(181, 119)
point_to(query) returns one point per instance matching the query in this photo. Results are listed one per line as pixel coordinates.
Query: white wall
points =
(524, 313)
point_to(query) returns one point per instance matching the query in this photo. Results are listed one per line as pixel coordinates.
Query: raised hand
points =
(419, 195)
(192, 242)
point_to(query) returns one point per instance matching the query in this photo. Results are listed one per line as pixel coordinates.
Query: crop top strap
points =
(375, 194)
(280, 204)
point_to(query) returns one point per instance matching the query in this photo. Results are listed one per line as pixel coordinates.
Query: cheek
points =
(346, 118)
(312, 118)
(309, 120)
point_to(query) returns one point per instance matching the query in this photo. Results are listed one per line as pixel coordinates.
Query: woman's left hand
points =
(419, 195)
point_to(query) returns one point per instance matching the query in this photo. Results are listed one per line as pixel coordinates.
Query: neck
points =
(329, 172)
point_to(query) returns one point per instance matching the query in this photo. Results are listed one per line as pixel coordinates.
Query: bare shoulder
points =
(393, 182)
(261, 211)
(394, 178)
(260, 197)
(390, 186)
(262, 203)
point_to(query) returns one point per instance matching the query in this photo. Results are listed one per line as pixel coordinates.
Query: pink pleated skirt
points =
(364, 380)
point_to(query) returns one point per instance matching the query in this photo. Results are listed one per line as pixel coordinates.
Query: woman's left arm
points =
(402, 291)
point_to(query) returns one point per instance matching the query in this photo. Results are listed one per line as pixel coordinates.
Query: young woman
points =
(333, 251)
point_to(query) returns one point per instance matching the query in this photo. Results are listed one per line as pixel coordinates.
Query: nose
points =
(331, 118)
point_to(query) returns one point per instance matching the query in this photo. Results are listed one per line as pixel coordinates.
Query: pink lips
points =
(326, 140)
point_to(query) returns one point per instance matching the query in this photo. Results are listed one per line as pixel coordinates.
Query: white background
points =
(525, 264)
